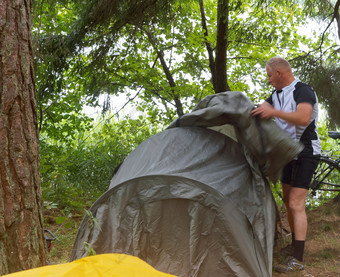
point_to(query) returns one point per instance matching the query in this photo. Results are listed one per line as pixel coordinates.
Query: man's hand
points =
(301, 116)
(265, 110)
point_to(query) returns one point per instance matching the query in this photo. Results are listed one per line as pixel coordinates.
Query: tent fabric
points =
(267, 143)
(194, 200)
(105, 265)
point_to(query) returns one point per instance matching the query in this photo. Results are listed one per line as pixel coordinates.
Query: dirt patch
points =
(322, 250)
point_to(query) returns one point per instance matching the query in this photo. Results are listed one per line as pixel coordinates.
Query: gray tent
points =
(194, 200)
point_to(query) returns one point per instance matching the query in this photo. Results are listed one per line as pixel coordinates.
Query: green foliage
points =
(154, 49)
(327, 83)
(327, 210)
(319, 8)
(154, 52)
(65, 219)
(329, 253)
(330, 148)
(277, 193)
(82, 167)
(49, 205)
(60, 219)
(327, 228)
(322, 72)
(94, 222)
(89, 249)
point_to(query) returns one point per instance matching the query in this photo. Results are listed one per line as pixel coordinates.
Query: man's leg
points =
(297, 198)
(286, 193)
(297, 206)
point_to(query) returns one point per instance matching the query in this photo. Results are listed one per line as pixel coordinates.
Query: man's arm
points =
(301, 116)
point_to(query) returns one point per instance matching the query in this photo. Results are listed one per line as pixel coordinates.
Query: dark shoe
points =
(290, 265)
(287, 251)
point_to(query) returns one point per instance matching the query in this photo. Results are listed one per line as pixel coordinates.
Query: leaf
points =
(68, 225)
(60, 219)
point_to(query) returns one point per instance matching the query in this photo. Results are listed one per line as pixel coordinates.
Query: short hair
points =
(278, 62)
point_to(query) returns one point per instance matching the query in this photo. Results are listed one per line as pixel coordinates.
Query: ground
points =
(322, 250)
(322, 253)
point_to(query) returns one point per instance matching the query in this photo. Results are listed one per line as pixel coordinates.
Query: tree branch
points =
(171, 81)
(336, 15)
(126, 103)
(210, 50)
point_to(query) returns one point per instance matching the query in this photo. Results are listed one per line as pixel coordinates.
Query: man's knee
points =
(297, 199)
(296, 205)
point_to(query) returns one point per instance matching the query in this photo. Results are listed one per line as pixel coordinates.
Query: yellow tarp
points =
(105, 265)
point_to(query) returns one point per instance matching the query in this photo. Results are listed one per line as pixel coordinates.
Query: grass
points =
(64, 232)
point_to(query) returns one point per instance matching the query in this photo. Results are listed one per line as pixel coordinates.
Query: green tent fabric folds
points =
(195, 200)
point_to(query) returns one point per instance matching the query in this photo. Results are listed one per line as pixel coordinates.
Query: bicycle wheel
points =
(326, 179)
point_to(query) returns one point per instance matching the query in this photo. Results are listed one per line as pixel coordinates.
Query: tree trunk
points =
(337, 199)
(221, 46)
(22, 244)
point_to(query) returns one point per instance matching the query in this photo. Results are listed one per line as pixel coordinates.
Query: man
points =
(294, 106)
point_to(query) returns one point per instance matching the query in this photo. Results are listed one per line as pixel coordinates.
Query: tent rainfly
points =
(194, 200)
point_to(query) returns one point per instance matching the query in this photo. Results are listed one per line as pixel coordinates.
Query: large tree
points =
(22, 243)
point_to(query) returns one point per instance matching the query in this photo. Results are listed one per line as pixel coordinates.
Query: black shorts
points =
(298, 173)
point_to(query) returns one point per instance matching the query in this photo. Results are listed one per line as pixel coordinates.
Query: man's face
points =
(273, 77)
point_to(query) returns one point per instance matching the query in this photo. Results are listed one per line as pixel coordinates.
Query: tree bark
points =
(221, 46)
(22, 244)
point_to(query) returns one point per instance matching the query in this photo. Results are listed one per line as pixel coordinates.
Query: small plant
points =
(49, 205)
(93, 220)
(327, 228)
(328, 254)
(337, 210)
(89, 249)
(66, 214)
(328, 210)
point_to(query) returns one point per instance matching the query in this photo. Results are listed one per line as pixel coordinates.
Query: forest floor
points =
(322, 251)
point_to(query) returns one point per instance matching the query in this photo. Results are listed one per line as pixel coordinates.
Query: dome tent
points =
(194, 200)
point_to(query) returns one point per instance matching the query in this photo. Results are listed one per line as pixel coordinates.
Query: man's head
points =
(279, 73)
